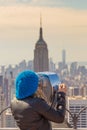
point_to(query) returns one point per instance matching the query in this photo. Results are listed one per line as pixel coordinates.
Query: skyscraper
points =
(64, 57)
(41, 61)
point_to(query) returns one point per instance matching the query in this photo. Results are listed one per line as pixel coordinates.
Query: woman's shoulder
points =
(40, 104)
(36, 100)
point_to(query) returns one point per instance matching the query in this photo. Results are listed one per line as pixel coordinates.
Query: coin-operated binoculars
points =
(49, 82)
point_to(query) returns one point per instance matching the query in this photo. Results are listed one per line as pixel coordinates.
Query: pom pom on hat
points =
(26, 84)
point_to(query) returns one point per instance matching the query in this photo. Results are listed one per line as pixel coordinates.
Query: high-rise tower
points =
(41, 61)
(64, 57)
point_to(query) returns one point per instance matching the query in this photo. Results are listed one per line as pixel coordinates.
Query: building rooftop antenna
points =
(40, 19)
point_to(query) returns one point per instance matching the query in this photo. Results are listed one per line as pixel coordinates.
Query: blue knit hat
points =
(26, 84)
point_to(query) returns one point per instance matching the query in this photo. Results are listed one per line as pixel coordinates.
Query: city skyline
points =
(64, 27)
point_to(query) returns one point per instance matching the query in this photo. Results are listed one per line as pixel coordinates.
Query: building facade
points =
(41, 61)
(2, 106)
(75, 105)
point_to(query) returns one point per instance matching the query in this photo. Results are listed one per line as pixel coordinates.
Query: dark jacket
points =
(35, 114)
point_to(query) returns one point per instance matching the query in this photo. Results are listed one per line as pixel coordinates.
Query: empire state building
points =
(41, 61)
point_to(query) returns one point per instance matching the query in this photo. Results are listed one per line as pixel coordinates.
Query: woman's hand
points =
(62, 88)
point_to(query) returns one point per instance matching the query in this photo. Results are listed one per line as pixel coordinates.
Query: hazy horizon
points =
(64, 27)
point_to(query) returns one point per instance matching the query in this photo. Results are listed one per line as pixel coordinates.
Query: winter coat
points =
(34, 113)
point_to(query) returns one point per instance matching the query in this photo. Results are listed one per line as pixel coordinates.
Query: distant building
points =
(77, 91)
(5, 89)
(71, 91)
(41, 61)
(10, 122)
(30, 65)
(52, 67)
(2, 106)
(75, 104)
(63, 57)
(73, 68)
(1, 81)
(22, 65)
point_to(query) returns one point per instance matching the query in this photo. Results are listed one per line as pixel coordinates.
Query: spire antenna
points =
(40, 20)
(41, 30)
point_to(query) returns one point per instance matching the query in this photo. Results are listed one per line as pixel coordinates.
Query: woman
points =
(30, 108)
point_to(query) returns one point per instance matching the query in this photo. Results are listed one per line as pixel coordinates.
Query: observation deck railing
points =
(74, 117)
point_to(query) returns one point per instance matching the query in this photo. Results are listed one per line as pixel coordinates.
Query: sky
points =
(64, 24)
